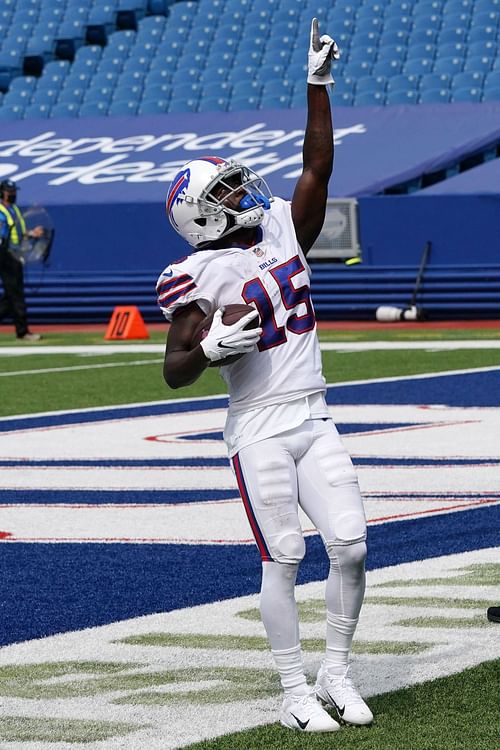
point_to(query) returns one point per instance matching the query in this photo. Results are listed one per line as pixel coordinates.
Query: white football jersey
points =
(273, 276)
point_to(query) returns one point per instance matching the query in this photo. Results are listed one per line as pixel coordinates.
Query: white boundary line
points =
(347, 346)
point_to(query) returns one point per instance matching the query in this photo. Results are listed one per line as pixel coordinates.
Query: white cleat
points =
(304, 713)
(338, 691)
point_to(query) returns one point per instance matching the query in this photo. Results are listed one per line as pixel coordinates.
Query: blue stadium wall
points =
(104, 180)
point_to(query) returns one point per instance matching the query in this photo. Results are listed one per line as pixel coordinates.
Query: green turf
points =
(460, 712)
(136, 381)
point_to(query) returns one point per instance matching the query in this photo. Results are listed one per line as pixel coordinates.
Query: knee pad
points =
(350, 527)
(289, 548)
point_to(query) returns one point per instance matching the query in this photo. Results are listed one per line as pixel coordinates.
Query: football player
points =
(284, 447)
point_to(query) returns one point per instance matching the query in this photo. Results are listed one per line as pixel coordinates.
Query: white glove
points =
(221, 341)
(322, 51)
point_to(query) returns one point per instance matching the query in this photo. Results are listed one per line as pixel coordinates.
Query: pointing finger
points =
(315, 43)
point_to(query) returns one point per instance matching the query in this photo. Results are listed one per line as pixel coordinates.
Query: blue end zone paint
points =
(209, 461)
(469, 389)
(53, 588)
(115, 497)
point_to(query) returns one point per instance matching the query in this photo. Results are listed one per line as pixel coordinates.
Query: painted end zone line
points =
(11, 537)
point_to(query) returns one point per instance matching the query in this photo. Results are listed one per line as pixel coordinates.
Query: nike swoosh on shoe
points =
(302, 724)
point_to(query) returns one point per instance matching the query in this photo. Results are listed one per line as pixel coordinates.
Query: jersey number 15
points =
(254, 291)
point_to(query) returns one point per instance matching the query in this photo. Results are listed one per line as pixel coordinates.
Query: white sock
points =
(339, 635)
(291, 670)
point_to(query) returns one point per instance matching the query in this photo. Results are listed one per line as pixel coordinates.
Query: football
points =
(232, 314)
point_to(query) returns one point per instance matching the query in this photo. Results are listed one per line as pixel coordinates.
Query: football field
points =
(130, 579)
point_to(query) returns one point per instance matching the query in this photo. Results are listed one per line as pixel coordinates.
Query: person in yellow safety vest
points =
(12, 231)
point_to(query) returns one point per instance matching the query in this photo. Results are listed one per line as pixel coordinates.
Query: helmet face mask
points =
(211, 198)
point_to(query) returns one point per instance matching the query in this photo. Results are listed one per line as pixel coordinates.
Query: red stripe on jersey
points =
(164, 286)
(164, 300)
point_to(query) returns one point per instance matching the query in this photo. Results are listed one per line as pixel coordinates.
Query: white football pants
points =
(307, 467)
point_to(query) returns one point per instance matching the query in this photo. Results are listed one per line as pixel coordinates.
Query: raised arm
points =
(311, 192)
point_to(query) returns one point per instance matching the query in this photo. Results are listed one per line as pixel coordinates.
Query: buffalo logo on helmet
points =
(177, 191)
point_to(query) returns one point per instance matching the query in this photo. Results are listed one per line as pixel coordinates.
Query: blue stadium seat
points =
(275, 101)
(372, 38)
(100, 24)
(299, 98)
(124, 39)
(39, 110)
(243, 102)
(344, 100)
(277, 86)
(458, 19)
(467, 94)
(428, 7)
(139, 63)
(418, 66)
(106, 65)
(370, 99)
(130, 12)
(364, 11)
(483, 47)
(359, 69)
(52, 80)
(373, 23)
(153, 106)
(87, 66)
(483, 33)
(450, 65)
(423, 36)
(68, 109)
(69, 38)
(188, 89)
(254, 58)
(14, 112)
(244, 73)
(489, 95)
(402, 96)
(452, 49)
(345, 83)
(434, 22)
(217, 89)
(21, 97)
(492, 79)
(123, 108)
(435, 81)
(370, 84)
(402, 81)
(95, 94)
(394, 52)
(157, 76)
(132, 78)
(71, 95)
(45, 96)
(398, 23)
(89, 52)
(467, 79)
(23, 83)
(183, 104)
(365, 54)
(93, 109)
(387, 68)
(153, 91)
(487, 17)
(435, 95)
(214, 73)
(144, 48)
(247, 88)
(182, 13)
(447, 35)
(421, 51)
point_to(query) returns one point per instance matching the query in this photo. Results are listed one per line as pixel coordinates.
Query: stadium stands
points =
(254, 46)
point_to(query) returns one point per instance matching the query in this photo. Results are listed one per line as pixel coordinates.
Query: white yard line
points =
(80, 367)
(347, 346)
